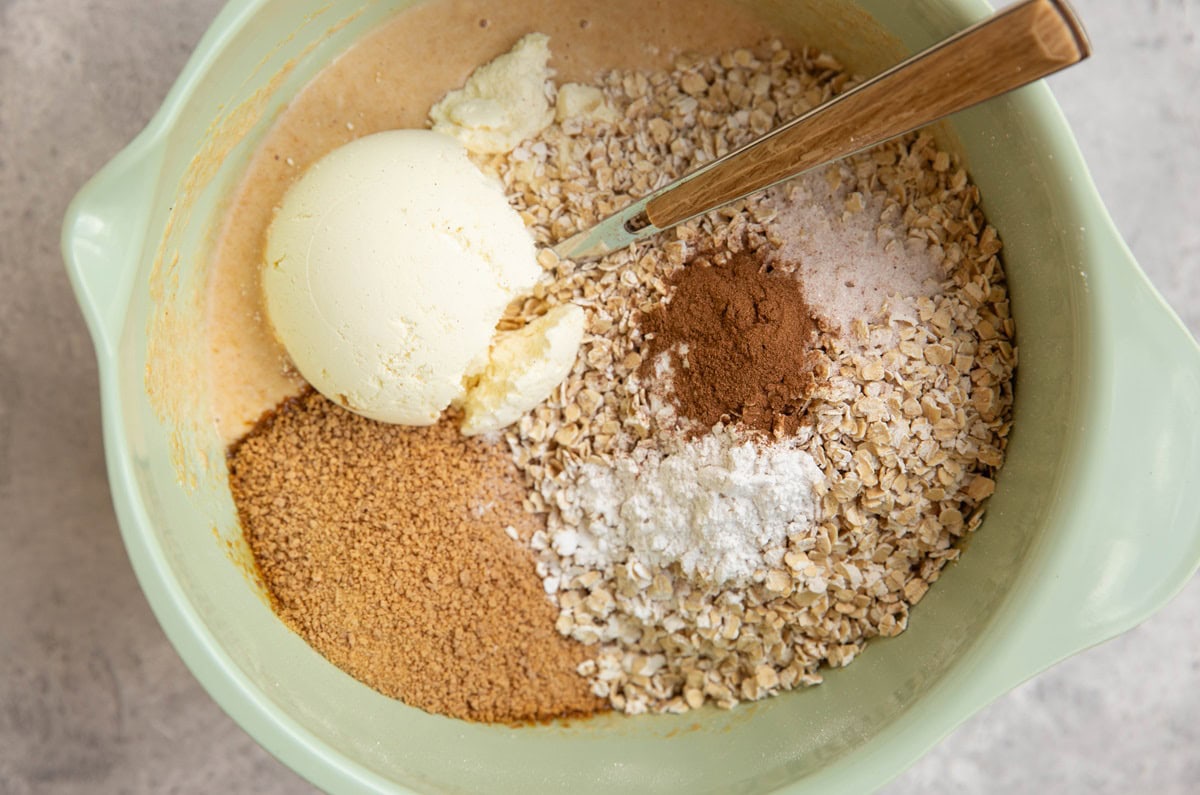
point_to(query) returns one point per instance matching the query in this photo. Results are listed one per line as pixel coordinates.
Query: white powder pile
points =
(821, 221)
(719, 506)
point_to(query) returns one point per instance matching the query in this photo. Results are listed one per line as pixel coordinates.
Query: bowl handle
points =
(1136, 542)
(103, 237)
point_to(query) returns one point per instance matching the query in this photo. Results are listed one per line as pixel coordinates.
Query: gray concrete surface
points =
(92, 697)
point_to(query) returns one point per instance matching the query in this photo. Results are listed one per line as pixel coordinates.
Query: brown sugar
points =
(388, 549)
(740, 339)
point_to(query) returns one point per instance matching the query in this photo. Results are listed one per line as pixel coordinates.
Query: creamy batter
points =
(389, 80)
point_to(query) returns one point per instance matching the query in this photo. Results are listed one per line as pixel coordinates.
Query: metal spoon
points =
(1009, 49)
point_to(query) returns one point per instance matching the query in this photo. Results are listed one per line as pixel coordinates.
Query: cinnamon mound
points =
(740, 339)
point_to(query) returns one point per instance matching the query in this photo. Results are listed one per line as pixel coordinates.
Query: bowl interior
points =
(341, 731)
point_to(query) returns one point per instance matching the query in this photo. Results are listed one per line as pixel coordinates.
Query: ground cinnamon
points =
(385, 548)
(740, 340)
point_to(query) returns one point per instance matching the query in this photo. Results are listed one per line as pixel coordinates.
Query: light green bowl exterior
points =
(1093, 526)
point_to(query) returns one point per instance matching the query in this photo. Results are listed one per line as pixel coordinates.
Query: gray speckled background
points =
(92, 697)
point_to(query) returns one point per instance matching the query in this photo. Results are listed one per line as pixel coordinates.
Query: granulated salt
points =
(820, 221)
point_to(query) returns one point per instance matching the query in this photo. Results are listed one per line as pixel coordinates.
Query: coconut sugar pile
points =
(783, 418)
(401, 563)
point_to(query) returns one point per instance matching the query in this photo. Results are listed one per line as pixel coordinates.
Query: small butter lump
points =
(524, 367)
(388, 265)
(583, 102)
(503, 102)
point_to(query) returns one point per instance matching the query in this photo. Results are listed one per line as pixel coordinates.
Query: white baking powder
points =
(719, 506)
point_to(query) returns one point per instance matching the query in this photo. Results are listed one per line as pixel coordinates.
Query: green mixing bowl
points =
(1091, 528)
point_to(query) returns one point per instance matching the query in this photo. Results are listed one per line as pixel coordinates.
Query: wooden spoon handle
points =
(1013, 47)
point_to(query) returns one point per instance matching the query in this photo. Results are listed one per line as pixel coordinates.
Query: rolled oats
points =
(908, 428)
